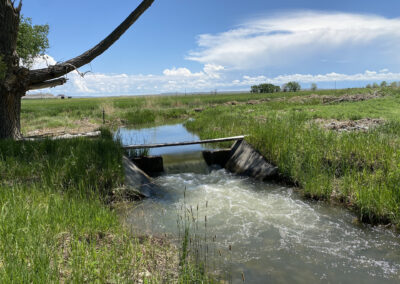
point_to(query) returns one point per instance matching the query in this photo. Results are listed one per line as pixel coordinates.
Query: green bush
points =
(139, 117)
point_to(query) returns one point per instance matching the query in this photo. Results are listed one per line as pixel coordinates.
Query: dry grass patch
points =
(83, 125)
(364, 124)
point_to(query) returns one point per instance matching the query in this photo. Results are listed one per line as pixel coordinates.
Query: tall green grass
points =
(93, 165)
(55, 226)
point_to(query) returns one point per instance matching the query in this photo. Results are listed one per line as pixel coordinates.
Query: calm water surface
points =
(276, 237)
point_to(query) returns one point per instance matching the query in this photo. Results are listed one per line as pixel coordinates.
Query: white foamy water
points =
(275, 235)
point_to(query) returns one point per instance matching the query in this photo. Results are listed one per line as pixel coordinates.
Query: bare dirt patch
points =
(232, 103)
(364, 124)
(81, 126)
(337, 99)
(323, 99)
(249, 102)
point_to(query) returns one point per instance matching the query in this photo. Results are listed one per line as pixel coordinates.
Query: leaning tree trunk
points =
(10, 110)
(11, 86)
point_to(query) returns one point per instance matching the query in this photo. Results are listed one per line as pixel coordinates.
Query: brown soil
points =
(232, 103)
(335, 99)
(324, 99)
(249, 102)
(349, 125)
(82, 126)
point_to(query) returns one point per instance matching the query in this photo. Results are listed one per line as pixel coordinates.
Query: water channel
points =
(275, 235)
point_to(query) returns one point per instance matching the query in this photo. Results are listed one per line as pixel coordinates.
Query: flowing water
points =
(275, 235)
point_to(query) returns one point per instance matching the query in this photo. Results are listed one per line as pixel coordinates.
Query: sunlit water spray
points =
(275, 235)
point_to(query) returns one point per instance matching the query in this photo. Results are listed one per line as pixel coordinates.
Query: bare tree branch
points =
(55, 71)
(76, 69)
(16, 9)
(48, 84)
(19, 7)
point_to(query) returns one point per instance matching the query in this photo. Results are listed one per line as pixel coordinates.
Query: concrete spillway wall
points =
(240, 159)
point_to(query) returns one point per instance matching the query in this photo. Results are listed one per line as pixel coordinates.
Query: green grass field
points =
(82, 114)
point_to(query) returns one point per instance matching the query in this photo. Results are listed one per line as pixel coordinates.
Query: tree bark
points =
(12, 83)
(10, 112)
(48, 84)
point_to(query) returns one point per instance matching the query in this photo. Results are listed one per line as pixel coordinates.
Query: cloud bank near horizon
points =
(182, 79)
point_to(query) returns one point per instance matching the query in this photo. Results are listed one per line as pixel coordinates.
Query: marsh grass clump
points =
(200, 259)
(139, 117)
(92, 164)
(135, 153)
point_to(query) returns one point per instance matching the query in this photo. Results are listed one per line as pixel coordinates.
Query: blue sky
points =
(224, 45)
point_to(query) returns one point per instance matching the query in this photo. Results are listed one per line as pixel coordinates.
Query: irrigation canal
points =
(275, 235)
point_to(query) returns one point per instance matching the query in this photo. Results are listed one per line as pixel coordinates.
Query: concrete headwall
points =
(245, 160)
(241, 159)
(137, 179)
(149, 164)
(217, 157)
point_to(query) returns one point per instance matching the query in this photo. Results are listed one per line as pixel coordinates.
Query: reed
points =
(195, 246)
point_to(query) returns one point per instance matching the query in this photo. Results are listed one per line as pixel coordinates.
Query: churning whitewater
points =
(274, 234)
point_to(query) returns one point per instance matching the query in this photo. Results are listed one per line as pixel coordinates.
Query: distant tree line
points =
(291, 87)
(295, 87)
(270, 88)
(265, 88)
(383, 84)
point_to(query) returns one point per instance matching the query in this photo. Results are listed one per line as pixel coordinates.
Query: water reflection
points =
(160, 134)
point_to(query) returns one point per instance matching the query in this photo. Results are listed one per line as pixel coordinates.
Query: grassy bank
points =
(55, 225)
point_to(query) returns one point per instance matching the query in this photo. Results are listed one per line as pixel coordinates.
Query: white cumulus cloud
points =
(366, 76)
(171, 80)
(286, 37)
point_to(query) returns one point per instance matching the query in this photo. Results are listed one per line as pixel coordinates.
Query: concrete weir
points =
(241, 159)
(245, 160)
(138, 179)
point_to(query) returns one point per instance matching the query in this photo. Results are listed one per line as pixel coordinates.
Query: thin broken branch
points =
(17, 9)
(76, 69)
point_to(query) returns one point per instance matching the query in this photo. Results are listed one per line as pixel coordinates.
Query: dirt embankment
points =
(338, 99)
(324, 99)
(80, 126)
(364, 124)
